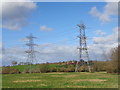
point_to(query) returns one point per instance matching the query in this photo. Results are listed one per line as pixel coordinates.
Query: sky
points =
(55, 26)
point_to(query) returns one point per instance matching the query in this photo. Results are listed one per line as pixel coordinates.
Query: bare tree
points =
(113, 66)
(14, 63)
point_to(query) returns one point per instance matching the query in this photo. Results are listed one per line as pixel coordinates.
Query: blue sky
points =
(62, 17)
(56, 22)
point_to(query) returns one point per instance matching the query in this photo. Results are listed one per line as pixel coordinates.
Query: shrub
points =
(83, 68)
(8, 70)
(26, 71)
(43, 68)
(62, 69)
(36, 70)
(54, 69)
(67, 70)
(71, 69)
(99, 66)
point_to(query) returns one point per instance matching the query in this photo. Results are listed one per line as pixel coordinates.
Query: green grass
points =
(23, 67)
(61, 80)
(20, 67)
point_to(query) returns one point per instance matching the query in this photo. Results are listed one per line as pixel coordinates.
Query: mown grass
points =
(61, 80)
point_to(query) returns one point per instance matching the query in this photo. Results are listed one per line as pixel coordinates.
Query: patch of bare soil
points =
(69, 76)
(41, 85)
(106, 76)
(29, 77)
(85, 73)
(66, 76)
(77, 86)
(55, 76)
(27, 81)
(54, 73)
(92, 80)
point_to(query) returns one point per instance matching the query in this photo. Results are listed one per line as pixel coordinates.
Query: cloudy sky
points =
(55, 26)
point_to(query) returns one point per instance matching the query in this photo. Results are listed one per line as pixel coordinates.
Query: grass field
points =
(61, 80)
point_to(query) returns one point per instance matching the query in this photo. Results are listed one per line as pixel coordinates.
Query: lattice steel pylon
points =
(30, 51)
(83, 50)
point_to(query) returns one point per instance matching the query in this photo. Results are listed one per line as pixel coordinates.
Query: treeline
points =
(110, 66)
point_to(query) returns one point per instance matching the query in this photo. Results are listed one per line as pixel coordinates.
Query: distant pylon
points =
(83, 51)
(31, 52)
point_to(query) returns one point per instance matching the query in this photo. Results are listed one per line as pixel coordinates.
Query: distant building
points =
(24, 63)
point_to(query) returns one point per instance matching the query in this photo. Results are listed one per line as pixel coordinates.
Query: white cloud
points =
(100, 32)
(110, 9)
(13, 54)
(0, 44)
(55, 53)
(45, 28)
(17, 0)
(110, 39)
(24, 39)
(15, 14)
(49, 52)
(63, 0)
(111, 0)
(103, 45)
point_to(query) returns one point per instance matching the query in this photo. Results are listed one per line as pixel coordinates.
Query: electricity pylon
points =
(83, 51)
(30, 51)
